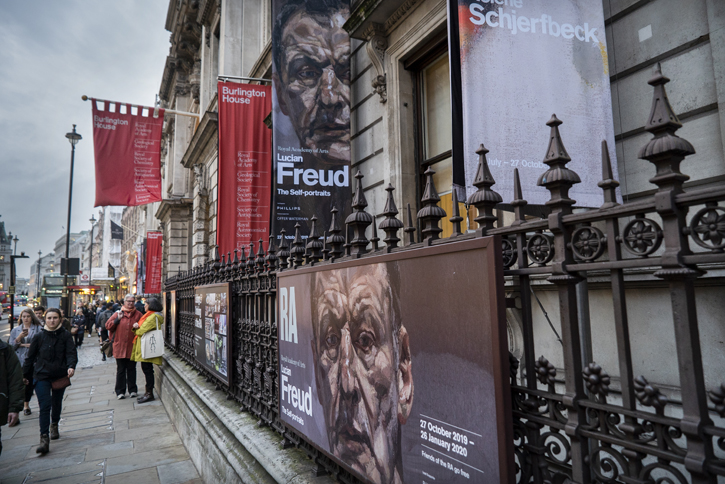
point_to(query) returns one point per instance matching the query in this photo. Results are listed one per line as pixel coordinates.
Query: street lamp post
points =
(37, 279)
(92, 220)
(73, 138)
(11, 317)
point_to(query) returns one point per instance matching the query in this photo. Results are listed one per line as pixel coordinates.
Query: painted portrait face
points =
(313, 85)
(363, 368)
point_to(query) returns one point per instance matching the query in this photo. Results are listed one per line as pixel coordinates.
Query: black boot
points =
(54, 434)
(44, 446)
(147, 397)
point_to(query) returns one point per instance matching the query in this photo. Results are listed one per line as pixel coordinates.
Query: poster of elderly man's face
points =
(395, 368)
(311, 111)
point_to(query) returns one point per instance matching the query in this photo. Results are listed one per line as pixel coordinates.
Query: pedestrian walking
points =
(140, 306)
(90, 317)
(11, 387)
(20, 338)
(40, 314)
(151, 320)
(101, 326)
(120, 330)
(51, 362)
(78, 327)
(65, 322)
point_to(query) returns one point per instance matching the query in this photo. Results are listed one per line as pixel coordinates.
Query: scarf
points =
(140, 322)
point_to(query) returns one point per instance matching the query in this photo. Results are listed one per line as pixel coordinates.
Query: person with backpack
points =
(101, 326)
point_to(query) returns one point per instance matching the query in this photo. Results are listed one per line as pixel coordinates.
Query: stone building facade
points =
(399, 56)
(399, 50)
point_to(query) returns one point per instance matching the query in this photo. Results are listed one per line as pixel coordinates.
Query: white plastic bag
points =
(152, 343)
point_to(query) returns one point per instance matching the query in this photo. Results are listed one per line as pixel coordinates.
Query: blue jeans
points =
(50, 402)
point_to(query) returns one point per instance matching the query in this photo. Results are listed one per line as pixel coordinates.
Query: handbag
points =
(74, 330)
(152, 343)
(107, 348)
(60, 383)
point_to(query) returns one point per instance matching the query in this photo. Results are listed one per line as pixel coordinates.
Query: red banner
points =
(128, 155)
(153, 263)
(245, 165)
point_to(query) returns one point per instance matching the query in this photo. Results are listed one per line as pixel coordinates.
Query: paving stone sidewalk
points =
(102, 439)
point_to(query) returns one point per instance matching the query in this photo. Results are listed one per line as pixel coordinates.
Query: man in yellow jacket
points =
(153, 319)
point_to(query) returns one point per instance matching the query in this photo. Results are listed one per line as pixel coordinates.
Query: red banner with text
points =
(153, 262)
(245, 165)
(127, 148)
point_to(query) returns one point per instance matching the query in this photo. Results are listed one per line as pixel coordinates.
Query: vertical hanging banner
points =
(521, 61)
(245, 165)
(311, 115)
(127, 150)
(153, 262)
(141, 269)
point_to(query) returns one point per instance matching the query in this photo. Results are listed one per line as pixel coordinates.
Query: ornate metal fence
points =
(579, 425)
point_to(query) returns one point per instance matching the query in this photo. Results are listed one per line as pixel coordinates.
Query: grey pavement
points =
(102, 439)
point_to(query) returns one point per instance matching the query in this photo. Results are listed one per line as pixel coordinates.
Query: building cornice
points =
(167, 205)
(205, 133)
(388, 13)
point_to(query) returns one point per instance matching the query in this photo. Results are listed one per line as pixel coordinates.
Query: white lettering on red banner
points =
(128, 155)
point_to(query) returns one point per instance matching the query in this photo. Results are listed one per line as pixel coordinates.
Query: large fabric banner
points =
(153, 262)
(245, 165)
(311, 115)
(366, 375)
(127, 149)
(521, 62)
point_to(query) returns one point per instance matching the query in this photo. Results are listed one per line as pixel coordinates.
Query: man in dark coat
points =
(140, 307)
(101, 325)
(12, 389)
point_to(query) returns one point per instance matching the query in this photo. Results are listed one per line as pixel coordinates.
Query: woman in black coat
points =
(78, 327)
(52, 357)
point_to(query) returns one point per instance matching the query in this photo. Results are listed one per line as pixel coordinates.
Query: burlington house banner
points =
(127, 150)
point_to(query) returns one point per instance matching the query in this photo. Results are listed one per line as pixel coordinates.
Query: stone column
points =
(716, 24)
(230, 50)
(200, 243)
(182, 136)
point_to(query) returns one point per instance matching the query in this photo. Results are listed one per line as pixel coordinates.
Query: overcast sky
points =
(52, 53)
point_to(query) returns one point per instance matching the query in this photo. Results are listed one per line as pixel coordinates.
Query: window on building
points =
(434, 126)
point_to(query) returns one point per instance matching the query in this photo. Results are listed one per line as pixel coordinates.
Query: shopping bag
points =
(152, 343)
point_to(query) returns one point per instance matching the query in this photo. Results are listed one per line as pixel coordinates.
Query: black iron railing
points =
(578, 425)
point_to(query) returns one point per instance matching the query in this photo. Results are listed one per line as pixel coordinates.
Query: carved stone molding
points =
(181, 88)
(195, 79)
(376, 44)
(200, 179)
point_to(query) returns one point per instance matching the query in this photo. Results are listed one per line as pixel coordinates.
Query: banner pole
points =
(241, 78)
(151, 109)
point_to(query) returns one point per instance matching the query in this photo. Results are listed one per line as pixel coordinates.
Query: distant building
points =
(35, 281)
(6, 249)
(21, 286)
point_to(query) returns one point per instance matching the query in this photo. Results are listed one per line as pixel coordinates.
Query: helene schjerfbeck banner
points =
(368, 377)
(127, 151)
(245, 165)
(521, 61)
(311, 113)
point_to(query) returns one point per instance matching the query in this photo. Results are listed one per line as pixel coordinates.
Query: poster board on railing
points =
(170, 311)
(396, 366)
(212, 330)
